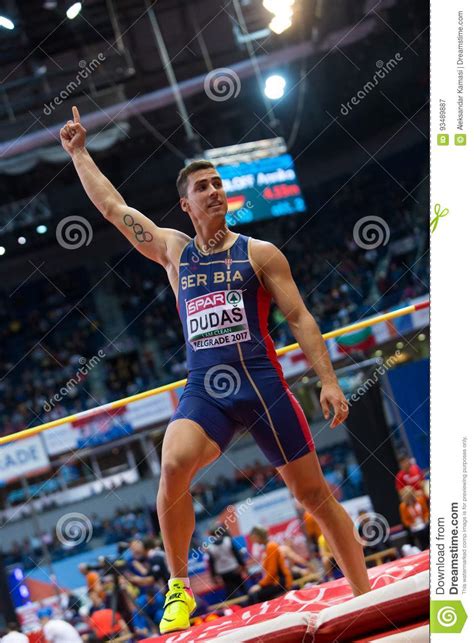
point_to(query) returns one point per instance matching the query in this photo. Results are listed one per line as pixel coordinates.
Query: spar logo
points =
(204, 302)
(212, 300)
(234, 297)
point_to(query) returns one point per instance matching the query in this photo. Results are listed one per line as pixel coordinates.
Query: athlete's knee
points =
(316, 498)
(176, 473)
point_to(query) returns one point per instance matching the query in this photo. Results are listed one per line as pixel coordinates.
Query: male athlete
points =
(223, 283)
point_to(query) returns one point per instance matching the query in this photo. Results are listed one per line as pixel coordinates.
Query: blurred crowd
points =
(123, 596)
(338, 465)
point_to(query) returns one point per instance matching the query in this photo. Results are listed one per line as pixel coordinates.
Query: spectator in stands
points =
(97, 603)
(139, 571)
(105, 626)
(298, 565)
(56, 630)
(327, 559)
(410, 475)
(415, 516)
(149, 608)
(276, 576)
(310, 529)
(226, 561)
(93, 581)
(157, 560)
(141, 625)
(13, 636)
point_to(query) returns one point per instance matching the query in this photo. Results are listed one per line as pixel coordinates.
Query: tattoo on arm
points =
(141, 235)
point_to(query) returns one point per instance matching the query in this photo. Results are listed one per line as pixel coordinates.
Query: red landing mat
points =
(327, 613)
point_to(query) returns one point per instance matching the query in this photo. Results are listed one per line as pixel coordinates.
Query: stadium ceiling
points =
(109, 55)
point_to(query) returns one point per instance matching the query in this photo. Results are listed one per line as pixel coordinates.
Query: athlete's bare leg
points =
(305, 480)
(186, 449)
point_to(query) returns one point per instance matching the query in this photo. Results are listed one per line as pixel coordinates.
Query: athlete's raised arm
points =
(275, 273)
(152, 241)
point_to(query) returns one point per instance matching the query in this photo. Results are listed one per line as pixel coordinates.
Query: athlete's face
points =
(206, 197)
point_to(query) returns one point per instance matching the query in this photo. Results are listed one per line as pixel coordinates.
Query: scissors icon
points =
(438, 214)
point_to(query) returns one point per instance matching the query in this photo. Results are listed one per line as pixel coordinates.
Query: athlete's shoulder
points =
(265, 255)
(261, 248)
(175, 244)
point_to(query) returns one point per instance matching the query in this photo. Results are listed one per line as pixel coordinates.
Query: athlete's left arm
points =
(275, 274)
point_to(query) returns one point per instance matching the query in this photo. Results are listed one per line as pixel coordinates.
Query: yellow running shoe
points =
(179, 605)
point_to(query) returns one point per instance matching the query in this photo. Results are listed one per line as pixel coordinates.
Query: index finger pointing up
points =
(75, 113)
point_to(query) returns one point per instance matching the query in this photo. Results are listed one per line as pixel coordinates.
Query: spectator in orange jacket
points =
(93, 580)
(276, 577)
(415, 516)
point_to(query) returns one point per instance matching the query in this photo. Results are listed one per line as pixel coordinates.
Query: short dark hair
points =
(182, 180)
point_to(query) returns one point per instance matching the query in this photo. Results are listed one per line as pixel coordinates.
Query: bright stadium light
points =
(41, 229)
(74, 10)
(283, 12)
(2, 251)
(21, 241)
(6, 23)
(280, 24)
(278, 6)
(275, 87)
